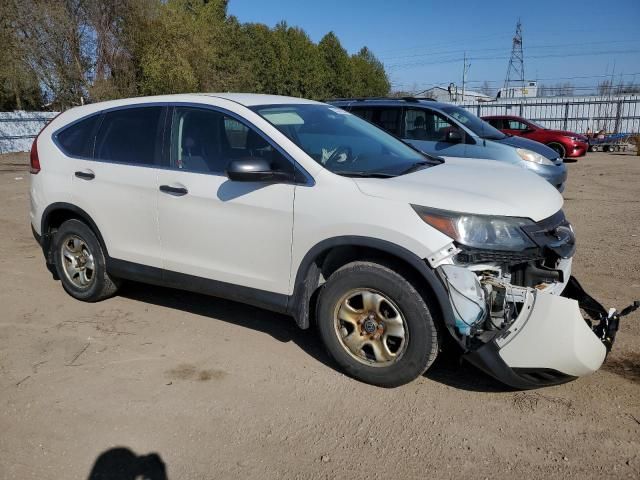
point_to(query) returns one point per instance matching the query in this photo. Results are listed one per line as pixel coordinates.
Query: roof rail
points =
(364, 99)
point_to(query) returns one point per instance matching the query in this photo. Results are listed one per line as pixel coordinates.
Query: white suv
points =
(302, 208)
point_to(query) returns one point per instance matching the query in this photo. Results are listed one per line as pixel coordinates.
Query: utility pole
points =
(515, 70)
(465, 69)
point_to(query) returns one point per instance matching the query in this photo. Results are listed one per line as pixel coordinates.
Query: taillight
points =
(35, 161)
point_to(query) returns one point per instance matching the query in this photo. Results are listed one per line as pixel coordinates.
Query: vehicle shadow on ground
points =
(447, 369)
(120, 463)
(280, 327)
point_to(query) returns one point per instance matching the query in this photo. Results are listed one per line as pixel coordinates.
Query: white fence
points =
(620, 114)
(18, 129)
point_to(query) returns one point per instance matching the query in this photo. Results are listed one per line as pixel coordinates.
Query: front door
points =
(516, 127)
(427, 130)
(237, 233)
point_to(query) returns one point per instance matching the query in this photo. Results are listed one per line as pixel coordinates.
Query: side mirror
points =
(454, 136)
(254, 169)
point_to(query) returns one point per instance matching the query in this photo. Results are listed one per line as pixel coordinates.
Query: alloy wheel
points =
(370, 327)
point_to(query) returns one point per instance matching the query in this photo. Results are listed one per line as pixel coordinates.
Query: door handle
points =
(86, 175)
(175, 191)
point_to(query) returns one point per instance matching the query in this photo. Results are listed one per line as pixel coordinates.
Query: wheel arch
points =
(330, 254)
(559, 142)
(56, 214)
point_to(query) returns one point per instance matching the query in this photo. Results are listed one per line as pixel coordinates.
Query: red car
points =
(567, 144)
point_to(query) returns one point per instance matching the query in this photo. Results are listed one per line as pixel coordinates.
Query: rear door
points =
(427, 130)
(238, 233)
(117, 184)
(495, 122)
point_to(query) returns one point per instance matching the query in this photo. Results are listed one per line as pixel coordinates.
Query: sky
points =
(422, 43)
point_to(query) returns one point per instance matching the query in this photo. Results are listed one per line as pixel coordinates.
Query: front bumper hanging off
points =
(550, 342)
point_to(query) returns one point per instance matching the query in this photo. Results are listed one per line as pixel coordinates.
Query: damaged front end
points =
(517, 314)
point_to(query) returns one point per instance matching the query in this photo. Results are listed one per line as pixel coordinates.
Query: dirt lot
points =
(221, 390)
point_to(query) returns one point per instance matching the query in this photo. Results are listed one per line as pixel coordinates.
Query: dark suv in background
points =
(448, 131)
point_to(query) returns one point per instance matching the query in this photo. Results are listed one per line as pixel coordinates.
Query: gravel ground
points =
(156, 379)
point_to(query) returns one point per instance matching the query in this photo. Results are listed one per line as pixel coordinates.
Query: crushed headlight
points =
(530, 156)
(479, 231)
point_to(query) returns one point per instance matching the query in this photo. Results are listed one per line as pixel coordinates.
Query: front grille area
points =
(475, 255)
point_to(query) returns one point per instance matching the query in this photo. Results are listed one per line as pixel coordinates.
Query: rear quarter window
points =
(130, 136)
(77, 139)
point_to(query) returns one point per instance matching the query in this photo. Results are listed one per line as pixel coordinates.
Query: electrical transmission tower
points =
(515, 70)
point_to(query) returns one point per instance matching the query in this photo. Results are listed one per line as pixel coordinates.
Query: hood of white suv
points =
(482, 187)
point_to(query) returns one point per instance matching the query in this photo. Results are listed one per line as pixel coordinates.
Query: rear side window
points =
(130, 136)
(387, 118)
(77, 139)
(496, 122)
(364, 113)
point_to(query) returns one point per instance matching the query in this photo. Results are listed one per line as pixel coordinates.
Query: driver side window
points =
(205, 141)
(425, 124)
(516, 125)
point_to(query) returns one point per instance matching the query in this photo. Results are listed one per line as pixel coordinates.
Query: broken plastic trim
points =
(608, 322)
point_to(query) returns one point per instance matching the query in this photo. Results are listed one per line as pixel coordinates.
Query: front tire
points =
(80, 263)
(375, 325)
(559, 148)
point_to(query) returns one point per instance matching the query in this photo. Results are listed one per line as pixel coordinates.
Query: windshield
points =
(342, 142)
(473, 123)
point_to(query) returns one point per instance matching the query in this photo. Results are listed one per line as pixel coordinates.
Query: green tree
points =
(337, 65)
(19, 88)
(303, 71)
(369, 78)
(183, 48)
(119, 27)
(74, 51)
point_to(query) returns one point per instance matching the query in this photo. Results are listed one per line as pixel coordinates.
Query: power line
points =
(557, 55)
(548, 46)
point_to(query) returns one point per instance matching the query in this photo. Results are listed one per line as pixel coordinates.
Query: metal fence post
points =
(566, 116)
(616, 127)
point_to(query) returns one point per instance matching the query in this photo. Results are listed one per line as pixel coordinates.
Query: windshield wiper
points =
(364, 174)
(418, 166)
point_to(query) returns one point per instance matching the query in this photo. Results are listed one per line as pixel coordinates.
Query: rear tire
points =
(80, 263)
(375, 325)
(559, 148)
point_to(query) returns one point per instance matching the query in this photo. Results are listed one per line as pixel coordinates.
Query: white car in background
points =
(302, 208)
